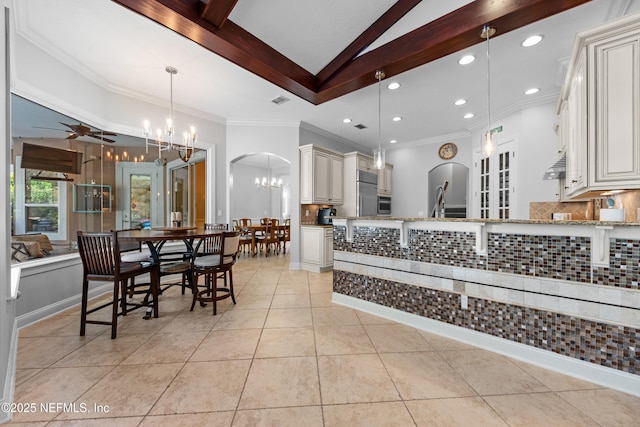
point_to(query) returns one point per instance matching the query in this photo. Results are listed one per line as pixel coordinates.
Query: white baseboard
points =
(606, 377)
(51, 309)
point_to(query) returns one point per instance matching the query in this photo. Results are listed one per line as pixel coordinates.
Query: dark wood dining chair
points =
(271, 239)
(285, 235)
(100, 255)
(215, 266)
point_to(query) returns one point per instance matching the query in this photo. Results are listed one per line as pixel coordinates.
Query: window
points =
(40, 203)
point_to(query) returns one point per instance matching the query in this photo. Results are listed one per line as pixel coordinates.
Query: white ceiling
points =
(127, 53)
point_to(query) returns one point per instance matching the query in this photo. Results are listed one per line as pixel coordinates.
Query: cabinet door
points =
(365, 164)
(337, 181)
(321, 177)
(617, 102)
(328, 249)
(577, 130)
(306, 177)
(311, 248)
(384, 180)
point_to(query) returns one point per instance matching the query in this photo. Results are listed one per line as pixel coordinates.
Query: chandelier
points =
(164, 140)
(268, 181)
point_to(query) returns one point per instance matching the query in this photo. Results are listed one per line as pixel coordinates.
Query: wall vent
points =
(360, 126)
(280, 100)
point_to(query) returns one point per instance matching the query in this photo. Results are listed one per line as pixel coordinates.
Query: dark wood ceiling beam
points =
(230, 42)
(217, 11)
(371, 34)
(453, 32)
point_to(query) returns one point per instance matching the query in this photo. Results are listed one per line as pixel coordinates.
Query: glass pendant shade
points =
(378, 158)
(488, 145)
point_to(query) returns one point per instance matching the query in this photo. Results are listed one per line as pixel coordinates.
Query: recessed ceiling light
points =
(532, 40)
(397, 118)
(393, 85)
(531, 91)
(393, 141)
(468, 115)
(467, 59)
(347, 120)
(460, 102)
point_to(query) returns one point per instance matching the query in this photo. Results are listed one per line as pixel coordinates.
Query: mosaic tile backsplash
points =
(600, 343)
(553, 257)
(565, 258)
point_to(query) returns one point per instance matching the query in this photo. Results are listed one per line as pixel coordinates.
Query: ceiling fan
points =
(82, 130)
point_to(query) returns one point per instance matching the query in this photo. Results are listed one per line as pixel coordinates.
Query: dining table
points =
(155, 238)
(254, 229)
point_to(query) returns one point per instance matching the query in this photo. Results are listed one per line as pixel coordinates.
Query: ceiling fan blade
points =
(72, 136)
(41, 127)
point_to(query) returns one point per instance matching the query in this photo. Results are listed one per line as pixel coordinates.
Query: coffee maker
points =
(324, 216)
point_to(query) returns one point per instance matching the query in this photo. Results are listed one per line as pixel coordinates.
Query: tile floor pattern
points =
(285, 355)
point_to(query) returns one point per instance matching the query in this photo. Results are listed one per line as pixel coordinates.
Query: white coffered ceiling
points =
(127, 53)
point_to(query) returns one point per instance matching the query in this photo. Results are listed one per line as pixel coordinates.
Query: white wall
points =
(411, 166)
(535, 148)
(282, 139)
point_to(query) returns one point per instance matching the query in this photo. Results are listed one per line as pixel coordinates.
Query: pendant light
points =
(378, 155)
(488, 144)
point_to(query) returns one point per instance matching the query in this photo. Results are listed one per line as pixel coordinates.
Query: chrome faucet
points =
(438, 208)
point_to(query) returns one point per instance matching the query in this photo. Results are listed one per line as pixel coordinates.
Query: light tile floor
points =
(285, 355)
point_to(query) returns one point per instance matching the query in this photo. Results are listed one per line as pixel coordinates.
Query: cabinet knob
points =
(573, 181)
(566, 187)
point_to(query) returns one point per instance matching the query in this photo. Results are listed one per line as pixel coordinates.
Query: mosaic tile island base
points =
(567, 288)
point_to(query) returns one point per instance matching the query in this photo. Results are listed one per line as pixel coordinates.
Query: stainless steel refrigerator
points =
(367, 194)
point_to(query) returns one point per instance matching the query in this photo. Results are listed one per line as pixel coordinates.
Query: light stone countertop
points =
(489, 221)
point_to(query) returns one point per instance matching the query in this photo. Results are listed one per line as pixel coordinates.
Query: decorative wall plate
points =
(448, 151)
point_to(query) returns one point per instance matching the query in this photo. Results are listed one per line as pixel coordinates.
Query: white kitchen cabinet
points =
(321, 176)
(598, 108)
(576, 133)
(384, 180)
(316, 243)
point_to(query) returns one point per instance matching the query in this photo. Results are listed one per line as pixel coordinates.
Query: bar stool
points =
(100, 255)
(214, 266)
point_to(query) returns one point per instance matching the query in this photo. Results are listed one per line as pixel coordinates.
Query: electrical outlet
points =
(464, 302)
(306, 212)
(420, 214)
(219, 212)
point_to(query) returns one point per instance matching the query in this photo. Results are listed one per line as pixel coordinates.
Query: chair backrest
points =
(128, 246)
(272, 228)
(264, 221)
(210, 245)
(230, 244)
(287, 229)
(245, 222)
(99, 253)
(216, 227)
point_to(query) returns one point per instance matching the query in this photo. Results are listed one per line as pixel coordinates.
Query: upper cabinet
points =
(599, 110)
(384, 180)
(321, 176)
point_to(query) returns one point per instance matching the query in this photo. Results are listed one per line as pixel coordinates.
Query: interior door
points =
(140, 202)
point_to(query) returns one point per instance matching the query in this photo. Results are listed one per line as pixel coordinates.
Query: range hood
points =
(558, 169)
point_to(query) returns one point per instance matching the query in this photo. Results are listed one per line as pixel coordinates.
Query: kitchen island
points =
(559, 294)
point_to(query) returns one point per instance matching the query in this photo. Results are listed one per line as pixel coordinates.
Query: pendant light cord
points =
(488, 30)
